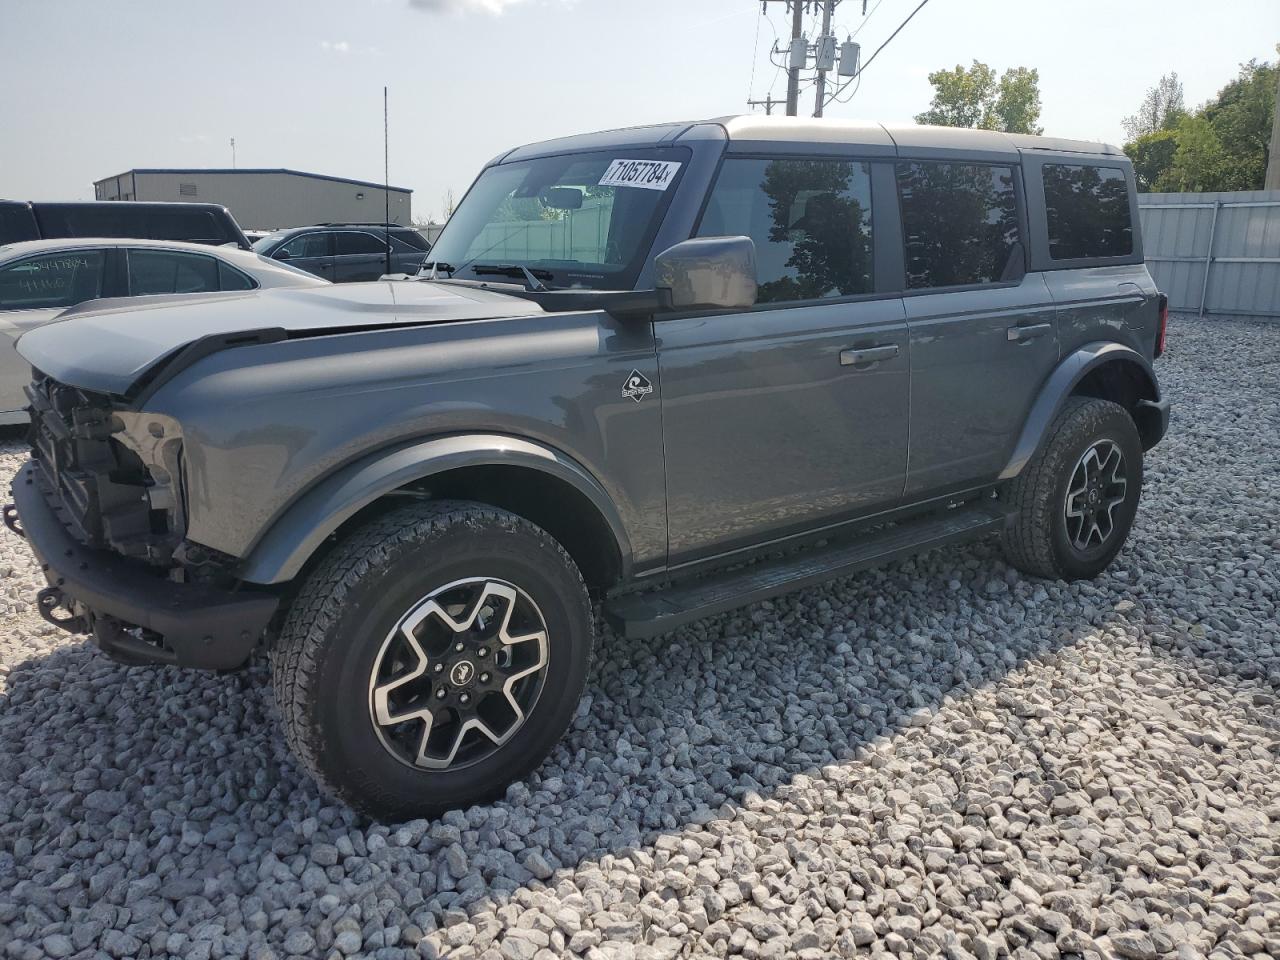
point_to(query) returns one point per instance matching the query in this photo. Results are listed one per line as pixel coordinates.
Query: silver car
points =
(40, 279)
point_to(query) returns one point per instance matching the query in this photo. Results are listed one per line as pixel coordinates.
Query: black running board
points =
(639, 615)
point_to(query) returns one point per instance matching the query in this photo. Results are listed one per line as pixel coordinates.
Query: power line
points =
(755, 55)
(869, 59)
(866, 18)
(892, 35)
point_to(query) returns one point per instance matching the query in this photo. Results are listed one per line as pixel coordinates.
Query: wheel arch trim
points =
(295, 534)
(1065, 377)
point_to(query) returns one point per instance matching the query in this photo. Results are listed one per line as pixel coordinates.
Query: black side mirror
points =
(281, 255)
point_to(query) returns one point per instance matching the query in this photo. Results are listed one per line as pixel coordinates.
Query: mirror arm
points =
(620, 304)
(639, 303)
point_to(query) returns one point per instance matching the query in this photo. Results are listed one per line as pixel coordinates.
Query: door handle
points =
(1029, 332)
(852, 358)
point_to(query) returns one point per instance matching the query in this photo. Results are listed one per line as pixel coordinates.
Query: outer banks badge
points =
(637, 386)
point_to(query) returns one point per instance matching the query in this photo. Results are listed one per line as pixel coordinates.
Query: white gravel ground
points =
(941, 758)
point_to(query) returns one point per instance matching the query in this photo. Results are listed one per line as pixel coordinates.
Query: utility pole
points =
(824, 40)
(1272, 181)
(768, 103)
(386, 177)
(793, 72)
(233, 153)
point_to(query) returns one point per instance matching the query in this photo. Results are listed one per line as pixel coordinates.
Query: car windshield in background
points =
(261, 245)
(580, 220)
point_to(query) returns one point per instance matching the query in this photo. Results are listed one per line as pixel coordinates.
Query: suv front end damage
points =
(100, 502)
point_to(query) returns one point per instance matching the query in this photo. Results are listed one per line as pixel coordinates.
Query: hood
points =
(107, 345)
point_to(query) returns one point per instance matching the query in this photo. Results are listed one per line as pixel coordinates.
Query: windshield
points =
(263, 244)
(577, 220)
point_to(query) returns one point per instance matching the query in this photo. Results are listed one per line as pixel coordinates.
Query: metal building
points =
(264, 199)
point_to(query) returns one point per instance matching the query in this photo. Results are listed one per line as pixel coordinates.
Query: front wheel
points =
(434, 657)
(1076, 499)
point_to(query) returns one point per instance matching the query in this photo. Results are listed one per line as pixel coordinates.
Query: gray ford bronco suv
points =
(676, 369)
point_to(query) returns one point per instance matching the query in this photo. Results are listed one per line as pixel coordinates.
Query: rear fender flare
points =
(1059, 386)
(280, 554)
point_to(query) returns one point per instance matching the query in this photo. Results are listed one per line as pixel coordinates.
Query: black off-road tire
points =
(328, 649)
(1037, 542)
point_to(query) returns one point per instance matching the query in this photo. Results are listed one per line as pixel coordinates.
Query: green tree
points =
(1221, 146)
(1162, 108)
(1241, 117)
(1200, 162)
(974, 97)
(1152, 155)
(1017, 106)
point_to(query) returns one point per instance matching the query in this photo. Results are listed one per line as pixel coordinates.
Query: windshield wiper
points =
(532, 278)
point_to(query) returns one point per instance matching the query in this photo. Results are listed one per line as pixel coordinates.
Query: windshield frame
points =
(622, 279)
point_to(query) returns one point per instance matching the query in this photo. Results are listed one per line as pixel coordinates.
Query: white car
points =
(40, 279)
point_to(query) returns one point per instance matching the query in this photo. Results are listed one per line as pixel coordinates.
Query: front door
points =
(792, 414)
(983, 330)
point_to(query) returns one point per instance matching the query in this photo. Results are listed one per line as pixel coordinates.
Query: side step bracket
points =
(638, 615)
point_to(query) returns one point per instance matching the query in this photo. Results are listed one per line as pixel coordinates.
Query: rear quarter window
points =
(1087, 211)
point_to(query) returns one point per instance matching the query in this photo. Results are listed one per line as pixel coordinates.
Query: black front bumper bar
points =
(186, 624)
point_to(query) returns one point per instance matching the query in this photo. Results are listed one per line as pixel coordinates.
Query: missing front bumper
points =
(133, 612)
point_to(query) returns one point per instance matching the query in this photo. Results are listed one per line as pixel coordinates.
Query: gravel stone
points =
(939, 758)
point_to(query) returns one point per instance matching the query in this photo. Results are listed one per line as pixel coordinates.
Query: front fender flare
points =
(1061, 382)
(294, 535)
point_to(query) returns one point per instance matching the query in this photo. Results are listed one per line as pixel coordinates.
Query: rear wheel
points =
(434, 657)
(1076, 500)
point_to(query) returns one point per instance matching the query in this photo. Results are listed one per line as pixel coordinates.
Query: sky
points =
(95, 88)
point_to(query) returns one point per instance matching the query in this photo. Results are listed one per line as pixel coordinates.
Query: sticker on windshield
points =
(649, 174)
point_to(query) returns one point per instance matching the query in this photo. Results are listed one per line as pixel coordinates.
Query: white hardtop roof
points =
(808, 131)
(908, 135)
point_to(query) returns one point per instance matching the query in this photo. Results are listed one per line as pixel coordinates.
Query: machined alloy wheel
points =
(459, 674)
(436, 654)
(1098, 486)
(1073, 504)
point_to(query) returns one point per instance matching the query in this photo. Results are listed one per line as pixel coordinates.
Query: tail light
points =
(1163, 329)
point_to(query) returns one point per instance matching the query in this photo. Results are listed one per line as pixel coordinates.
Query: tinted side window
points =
(1087, 209)
(98, 220)
(191, 226)
(959, 223)
(17, 223)
(307, 245)
(167, 271)
(52, 280)
(810, 220)
(411, 238)
(349, 243)
(229, 278)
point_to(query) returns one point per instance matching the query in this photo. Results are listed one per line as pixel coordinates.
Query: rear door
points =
(358, 255)
(153, 271)
(792, 414)
(408, 249)
(983, 330)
